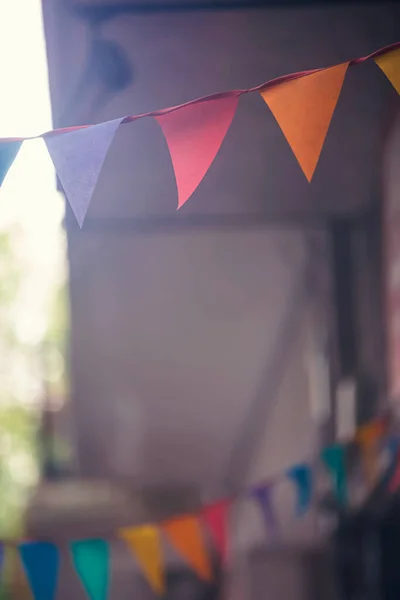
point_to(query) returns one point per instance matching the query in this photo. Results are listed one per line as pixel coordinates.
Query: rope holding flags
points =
(91, 558)
(302, 103)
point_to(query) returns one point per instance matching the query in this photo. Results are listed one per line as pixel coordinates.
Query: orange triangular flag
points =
(144, 543)
(303, 108)
(185, 535)
(390, 65)
(194, 134)
(368, 437)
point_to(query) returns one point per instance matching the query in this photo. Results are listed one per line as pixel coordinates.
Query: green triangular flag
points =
(334, 458)
(91, 560)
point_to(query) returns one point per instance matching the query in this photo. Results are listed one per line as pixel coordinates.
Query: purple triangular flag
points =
(262, 494)
(78, 157)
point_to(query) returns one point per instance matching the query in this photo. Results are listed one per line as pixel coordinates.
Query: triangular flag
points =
(216, 518)
(144, 542)
(368, 437)
(390, 65)
(78, 157)
(303, 108)
(302, 476)
(394, 482)
(334, 458)
(186, 536)
(41, 563)
(263, 495)
(194, 134)
(91, 560)
(8, 152)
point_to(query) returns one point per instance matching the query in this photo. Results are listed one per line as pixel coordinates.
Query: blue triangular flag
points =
(91, 560)
(334, 458)
(262, 494)
(8, 152)
(302, 476)
(41, 562)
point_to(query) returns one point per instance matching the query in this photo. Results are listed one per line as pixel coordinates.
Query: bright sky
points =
(29, 202)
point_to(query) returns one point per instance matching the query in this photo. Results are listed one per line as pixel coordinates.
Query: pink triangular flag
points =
(194, 134)
(216, 518)
(78, 157)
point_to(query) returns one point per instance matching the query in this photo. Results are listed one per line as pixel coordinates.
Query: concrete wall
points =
(172, 332)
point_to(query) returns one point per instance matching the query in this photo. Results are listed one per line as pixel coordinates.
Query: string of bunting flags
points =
(91, 558)
(302, 103)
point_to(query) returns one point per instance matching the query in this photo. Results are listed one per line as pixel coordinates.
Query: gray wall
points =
(173, 332)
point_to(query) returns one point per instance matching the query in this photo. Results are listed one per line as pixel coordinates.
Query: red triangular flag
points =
(78, 157)
(303, 107)
(216, 518)
(194, 134)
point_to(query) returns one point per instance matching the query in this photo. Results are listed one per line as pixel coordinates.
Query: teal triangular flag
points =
(8, 152)
(334, 458)
(41, 563)
(91, 560)
(302, 477)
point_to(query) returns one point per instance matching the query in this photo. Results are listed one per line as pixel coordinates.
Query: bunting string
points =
(377, 54)
(302, 103)
(185, 533)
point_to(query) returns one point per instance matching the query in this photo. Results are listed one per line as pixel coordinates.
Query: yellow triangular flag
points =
(390, 65)
(303, 109)
(144, 543)
(185, 535)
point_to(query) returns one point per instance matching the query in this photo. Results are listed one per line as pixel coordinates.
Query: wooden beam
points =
(97, 12)
(177, 223)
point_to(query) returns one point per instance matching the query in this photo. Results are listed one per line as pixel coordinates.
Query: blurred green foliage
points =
(27, 372)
